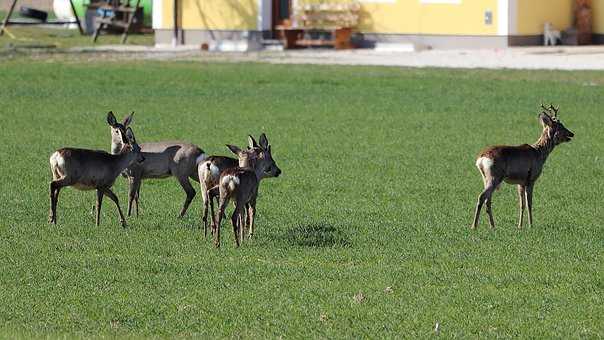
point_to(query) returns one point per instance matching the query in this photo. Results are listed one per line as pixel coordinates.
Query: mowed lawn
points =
(378, 190)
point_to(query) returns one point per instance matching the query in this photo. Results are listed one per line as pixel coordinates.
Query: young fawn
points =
(162, 160)
(520, 165)
(241, 185)
(213, 166)
(91, 169)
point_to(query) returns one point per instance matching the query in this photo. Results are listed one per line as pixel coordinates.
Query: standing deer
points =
(91, 169)
(241, 185)
(520, 165)
(213, 166)
(162, 160)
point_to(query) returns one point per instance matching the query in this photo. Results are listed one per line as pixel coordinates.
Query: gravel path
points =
(578, 58)
(560, 58)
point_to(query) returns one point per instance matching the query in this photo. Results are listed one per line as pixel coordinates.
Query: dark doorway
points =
(281, 12)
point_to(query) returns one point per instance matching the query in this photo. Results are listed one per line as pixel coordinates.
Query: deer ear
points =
(263, 141)
(251, 142)
(130, 136)
(111, 119)
(234, 149)
(545, 119)
(128, 120)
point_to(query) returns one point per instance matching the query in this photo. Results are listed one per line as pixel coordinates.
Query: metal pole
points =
(175, 36)
(76, 18)
(10, 12)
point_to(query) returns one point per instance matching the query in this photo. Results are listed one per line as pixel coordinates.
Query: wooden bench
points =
(321, 25)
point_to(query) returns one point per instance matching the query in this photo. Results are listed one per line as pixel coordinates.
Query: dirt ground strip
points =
(560, 58)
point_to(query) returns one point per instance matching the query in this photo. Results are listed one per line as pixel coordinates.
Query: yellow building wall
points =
(598, 16)
(401, 16)
(532, 14)
(213, 14)
(414, 17)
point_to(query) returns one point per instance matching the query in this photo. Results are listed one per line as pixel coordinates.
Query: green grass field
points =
(378, 190)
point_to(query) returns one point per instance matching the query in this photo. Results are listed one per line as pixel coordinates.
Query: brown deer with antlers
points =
(213, 166)
(520, 165)
(241, 185)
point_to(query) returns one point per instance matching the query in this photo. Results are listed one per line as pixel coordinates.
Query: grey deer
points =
(162, 160)
(520, 165)
(209, 171)
(89, 170)
(241, 185)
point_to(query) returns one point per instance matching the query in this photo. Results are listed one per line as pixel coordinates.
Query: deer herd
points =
(224, 178)
(220, 177)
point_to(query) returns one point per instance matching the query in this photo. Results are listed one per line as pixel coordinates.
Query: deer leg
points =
(133, 186)
(204, 218)
(131, 194)
(236, 227)
(224, 201)
(490, 212)
(54, 207)
(529, 203)
(521, 199)
(188, 188)
(212, 213)
(99, 201)
(55, 188)
(112, 196)
(51, 212)
(211, 195)
(241, 222)
(251, 212)
(137, 198)
(485, 196)
(247, 216)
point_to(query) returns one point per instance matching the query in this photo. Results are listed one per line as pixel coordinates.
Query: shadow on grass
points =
(316, 234)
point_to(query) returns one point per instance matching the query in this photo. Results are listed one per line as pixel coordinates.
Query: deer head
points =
(553, 126)
(118, 131)
(257, 156)
(132, 146)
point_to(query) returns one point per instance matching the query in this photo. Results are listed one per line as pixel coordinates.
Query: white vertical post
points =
(503, 12)
(158, 14)
(263, 21)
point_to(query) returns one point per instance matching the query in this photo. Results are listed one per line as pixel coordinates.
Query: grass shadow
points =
(316, 234)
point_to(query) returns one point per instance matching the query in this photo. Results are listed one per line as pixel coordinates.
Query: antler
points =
(554, 110)
(551, 110)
